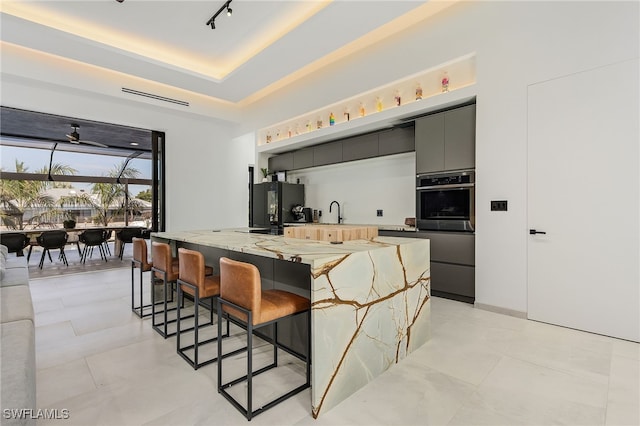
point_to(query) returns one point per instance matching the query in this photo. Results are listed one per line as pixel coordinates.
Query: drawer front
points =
(454, 279)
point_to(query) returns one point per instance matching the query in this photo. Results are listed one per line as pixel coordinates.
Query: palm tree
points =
(23, 195)
(107, 199)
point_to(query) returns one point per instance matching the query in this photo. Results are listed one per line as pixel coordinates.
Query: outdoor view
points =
(96, 199)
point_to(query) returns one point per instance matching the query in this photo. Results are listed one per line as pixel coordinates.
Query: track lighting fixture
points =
(212, 21)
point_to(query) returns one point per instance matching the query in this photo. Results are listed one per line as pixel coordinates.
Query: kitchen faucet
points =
(331, 205)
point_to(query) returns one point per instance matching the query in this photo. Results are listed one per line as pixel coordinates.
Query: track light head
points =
(212, 20)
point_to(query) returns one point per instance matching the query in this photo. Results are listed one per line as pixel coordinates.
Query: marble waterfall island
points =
(370, 301)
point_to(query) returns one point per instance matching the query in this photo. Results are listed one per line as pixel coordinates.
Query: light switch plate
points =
(499, 206)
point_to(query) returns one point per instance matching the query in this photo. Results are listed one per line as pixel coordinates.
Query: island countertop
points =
(313, 253)
(370, 301)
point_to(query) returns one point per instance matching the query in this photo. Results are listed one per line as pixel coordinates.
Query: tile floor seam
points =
(569, 373)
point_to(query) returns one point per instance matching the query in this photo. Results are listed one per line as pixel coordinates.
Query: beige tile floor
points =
(108, 367)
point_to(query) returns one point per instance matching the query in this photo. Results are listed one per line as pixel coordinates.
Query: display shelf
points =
(380, 120)
(303, 130)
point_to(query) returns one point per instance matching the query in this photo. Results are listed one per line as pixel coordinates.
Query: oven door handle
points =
(449, 186)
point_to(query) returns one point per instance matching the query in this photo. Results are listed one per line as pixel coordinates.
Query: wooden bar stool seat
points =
(243, 302)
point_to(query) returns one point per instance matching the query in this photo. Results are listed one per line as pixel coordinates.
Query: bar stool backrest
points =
(161, 255)
(192, 268)
(140, 252)
(240, 284)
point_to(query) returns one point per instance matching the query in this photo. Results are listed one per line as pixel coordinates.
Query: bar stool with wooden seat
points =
(165, 269)
(192, 280)
(243, 302)
(139, 261)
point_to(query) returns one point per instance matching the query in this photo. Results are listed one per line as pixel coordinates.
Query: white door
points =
(583, 192)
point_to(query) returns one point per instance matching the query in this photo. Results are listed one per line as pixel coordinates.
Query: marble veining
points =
(370, 302)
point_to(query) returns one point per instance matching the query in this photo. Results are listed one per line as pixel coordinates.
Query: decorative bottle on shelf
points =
(332, 119)
(378, 104)
(445, 83)
(319, 123)
(361, 110)
(418, 92)
(268, 137)
(278, 135)
(346, 114)
(309, 127)
(397, 98)
(289, 132)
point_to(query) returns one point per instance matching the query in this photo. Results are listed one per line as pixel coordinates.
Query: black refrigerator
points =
(272, 204)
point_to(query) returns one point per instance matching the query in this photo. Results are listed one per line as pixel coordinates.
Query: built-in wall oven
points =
(446, 201)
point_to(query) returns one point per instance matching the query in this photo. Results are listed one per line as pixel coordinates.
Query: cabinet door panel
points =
(397, 140)
(451, 247)
(303, 158)
(282, 162)
(429, 139)
(460, 138)
(359, 147)
(454, 279)
(328, 153)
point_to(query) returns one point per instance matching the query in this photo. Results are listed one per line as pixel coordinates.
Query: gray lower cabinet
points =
(452, 262)
(360, 147)
(396, 141)
(328, 153)
(303, 158)
(446, 140)
(282, 162)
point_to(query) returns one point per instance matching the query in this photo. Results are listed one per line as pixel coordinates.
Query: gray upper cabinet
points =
(282, 162)
(446, 140)
(303, 158)
(328, 153)
(359, 147)
(396, 141)
(430, 143)
(460, 138)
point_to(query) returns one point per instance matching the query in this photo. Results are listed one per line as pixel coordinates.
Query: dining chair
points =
(243, 302)
(125, 235)
(92, 238)
(52, 240)
(15, 242)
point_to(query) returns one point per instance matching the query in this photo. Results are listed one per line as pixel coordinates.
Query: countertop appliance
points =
(273, 204)
(446, 201)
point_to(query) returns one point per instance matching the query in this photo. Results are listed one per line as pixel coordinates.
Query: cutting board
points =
(331, 232)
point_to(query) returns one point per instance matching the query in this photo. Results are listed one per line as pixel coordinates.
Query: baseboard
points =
(499, 310)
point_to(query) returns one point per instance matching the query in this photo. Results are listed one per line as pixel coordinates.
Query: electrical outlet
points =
(499, 206)
(379, 213)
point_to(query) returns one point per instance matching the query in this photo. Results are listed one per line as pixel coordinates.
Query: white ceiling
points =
(261, 45)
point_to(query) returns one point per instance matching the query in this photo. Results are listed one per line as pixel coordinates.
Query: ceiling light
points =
(212, 21)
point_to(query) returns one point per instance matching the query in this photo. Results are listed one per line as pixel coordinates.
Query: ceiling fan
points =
(74, 138)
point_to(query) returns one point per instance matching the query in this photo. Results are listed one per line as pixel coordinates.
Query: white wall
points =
(361, 187)
(517, 44)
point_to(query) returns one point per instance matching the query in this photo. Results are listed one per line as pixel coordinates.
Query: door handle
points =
(534, 232)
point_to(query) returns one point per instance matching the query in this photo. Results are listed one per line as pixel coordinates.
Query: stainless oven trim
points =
(449, 186)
